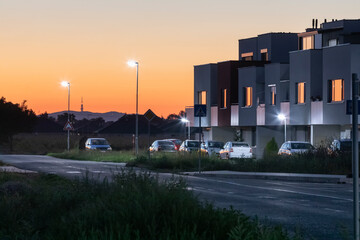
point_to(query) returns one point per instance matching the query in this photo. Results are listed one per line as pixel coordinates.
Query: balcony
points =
(317, 112)
(234, 121)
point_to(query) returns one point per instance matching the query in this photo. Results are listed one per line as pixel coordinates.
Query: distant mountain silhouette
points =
(108, 116)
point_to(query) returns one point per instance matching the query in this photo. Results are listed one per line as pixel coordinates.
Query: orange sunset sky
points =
(88, 42)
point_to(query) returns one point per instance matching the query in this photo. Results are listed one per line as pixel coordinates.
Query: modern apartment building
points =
(305, 76)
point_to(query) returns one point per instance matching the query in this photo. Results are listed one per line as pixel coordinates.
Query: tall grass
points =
(111, 156)
(133, 206)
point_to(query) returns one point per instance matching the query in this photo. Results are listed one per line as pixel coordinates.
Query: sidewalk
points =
(315, 178)
(14, 169)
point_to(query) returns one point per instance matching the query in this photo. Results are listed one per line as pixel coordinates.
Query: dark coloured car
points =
(162, 146)
(190, 146)
(177, 143)
(97, 144)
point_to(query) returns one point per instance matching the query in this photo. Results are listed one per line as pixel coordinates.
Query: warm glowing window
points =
(264, 54)
(272, 94)
(308, 42)
(223, 98)
(248, 96)
(247, 56)
(202, 97)
(336, 90)
(300, 92)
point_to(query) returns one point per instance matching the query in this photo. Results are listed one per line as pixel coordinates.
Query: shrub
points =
(271, 148)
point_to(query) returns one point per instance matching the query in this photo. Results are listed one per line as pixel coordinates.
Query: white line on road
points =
(73, 172)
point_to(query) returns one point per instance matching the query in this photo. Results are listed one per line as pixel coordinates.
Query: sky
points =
(88, 43)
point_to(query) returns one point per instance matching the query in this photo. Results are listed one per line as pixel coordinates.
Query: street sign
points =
(68, 126)
(200, 110)
(149, 115)
(349, 107)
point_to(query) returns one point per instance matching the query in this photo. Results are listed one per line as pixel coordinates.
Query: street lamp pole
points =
(67, 84)
(282, 117)
(132, 63)
(186, 121)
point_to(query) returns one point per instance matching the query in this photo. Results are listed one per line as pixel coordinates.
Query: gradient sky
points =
(89, 42)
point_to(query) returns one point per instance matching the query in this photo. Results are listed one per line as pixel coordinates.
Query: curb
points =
(10, 169)
(296, 177)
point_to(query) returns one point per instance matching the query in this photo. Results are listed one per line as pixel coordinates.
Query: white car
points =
(97, 144)
(236, 150)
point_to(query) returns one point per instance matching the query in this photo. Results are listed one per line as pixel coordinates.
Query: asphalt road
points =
(319, 210)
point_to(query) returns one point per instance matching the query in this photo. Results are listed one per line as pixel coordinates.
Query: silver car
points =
(212, 147)
(295, 147)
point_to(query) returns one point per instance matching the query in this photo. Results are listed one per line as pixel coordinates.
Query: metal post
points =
(189, 133)
(200, 143)
(149, 138)
(68, 131)
(285, 127)
(137, 117)
(355, 154)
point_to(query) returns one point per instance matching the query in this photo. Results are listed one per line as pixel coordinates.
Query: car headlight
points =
(109, 148)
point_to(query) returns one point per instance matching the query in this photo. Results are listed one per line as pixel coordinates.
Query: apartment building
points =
(305, 76)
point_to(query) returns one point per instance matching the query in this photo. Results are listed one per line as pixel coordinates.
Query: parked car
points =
(189, 146)
(212, 147)
(177, 143)
(339, 146)
(236, 150)
(97, 144)
(162, 146)
(295, 147)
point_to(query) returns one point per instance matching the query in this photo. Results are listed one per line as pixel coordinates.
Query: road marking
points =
(73, 172)
(277, 189)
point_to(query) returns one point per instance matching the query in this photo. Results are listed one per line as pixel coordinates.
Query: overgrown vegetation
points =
(132, 206)
(319, 162)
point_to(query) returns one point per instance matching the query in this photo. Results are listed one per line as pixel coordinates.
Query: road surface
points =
(319, 210)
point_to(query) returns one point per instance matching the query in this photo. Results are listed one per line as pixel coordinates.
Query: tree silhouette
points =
(63, 118)
(15, 118)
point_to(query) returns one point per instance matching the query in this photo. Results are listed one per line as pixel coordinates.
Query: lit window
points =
(247, 56)
(300, 92)
(272, 94)
(202, 97)
(336, 90)
(308, 42)
(264, 54)
(248, 96)
(223, 98)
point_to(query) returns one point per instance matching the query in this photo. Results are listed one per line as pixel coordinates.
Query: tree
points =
(15, 118)
(63, 118)
(173, 116)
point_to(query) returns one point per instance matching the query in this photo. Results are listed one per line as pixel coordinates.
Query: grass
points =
(316, 163)
(111, 156)
(133, 206)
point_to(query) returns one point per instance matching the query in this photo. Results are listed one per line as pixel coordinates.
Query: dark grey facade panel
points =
(281, 45)
(248, 45)
(250, 77)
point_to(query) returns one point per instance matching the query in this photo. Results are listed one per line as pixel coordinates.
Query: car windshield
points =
(99, 142)
(237, 144)
(165, 143)
(216, 144)
(193, 144)
(301, 146)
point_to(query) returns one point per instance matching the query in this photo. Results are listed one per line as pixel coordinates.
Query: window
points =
(248, 96)
(272, 94)
(308, 42)
(202, 97)
(300, 92)
(333, 42)
(336, 90)
(247, 56)
(223, 98)
(264, 54)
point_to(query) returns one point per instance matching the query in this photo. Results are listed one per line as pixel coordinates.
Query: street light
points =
(282, 117)
(67, 84)
(133, 63)
(184, 120)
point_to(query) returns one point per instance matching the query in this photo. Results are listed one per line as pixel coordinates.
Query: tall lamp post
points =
(186, 121)
(67, 84)
(133, 63)
(282, 117)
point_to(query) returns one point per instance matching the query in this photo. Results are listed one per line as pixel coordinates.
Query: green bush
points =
(132, 206)
(271, 148)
